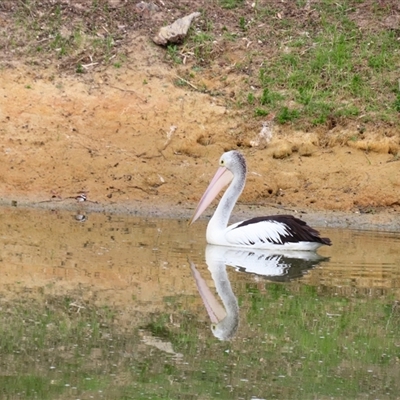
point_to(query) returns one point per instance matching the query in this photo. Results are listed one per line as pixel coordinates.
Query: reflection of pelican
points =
(225, 320)
(278, 232)
(271, 265)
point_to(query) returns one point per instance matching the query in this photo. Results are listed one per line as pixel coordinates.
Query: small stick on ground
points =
(187, 82)
(129, 91)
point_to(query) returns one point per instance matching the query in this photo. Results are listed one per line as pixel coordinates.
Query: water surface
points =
(119, 307)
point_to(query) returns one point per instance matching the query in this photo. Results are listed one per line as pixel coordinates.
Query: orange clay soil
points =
(132, 141)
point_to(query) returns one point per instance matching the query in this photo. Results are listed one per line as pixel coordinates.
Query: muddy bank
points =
(381, 221)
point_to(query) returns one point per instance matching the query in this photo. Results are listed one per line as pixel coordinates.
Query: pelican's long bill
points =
(222, 177)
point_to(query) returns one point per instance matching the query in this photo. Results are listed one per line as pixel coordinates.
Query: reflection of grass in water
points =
(158, 327)
(31, 387)
(288, 334)
(48, 348)
(335, 345)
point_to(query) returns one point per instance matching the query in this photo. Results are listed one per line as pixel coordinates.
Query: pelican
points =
(275, 232)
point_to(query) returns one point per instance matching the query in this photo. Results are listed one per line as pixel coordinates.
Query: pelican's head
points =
(233, 161)
(231, 164)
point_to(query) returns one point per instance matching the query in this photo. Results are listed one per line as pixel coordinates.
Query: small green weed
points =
(396, 103)
(259, 112)
(79, 69)
(173, 54)
(242, 24)
(269, 97)
(230, 4)
(286, 115)
(251, 98)
(202, 47)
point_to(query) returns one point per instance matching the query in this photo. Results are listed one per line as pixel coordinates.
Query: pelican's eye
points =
(222, 162)
(213, 327)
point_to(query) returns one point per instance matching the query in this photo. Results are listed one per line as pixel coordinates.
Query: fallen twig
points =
(129, 91)
(187, 82)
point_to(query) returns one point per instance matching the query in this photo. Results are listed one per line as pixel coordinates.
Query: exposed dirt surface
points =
(132, 139)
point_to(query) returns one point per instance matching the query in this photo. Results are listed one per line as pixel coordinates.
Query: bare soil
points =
(132, 139)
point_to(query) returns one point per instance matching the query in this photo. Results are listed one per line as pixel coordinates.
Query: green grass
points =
(230, 4)
(173, 54)
(201, 44)
(328, 69)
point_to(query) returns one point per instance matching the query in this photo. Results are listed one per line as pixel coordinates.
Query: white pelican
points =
(275, 232)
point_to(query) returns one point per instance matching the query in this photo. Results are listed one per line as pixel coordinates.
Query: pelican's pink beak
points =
(215, 311)
(222, 177)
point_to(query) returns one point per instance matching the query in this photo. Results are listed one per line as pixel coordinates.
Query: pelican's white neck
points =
(220, 219)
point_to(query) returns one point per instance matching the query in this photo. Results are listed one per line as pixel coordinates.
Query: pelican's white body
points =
(245, 235)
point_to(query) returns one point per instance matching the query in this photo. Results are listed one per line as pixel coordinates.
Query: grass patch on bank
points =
(308, 63)
(325, 67)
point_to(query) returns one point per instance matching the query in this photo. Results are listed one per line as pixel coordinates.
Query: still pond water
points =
(117, 307)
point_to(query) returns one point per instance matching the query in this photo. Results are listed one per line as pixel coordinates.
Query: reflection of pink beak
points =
(222, 177)
(215, 311)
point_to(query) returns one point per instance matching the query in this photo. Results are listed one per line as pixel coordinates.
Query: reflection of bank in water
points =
(271, 265)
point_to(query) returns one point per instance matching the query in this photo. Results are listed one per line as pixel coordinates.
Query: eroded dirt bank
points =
(132, 141)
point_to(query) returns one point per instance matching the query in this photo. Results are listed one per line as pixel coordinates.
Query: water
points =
(118, 307)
